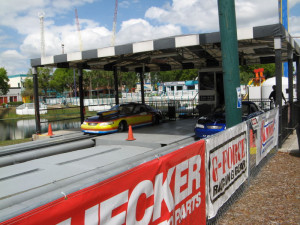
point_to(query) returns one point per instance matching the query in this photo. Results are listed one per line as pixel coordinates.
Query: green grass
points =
(57, 113)
(13, 142)
(10, 113)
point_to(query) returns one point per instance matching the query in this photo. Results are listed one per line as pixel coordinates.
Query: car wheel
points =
(122, 126)
(155, 120)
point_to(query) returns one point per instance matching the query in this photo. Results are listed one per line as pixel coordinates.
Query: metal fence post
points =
(36, 100)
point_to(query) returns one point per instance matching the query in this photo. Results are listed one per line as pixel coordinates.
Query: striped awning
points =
(202, 51)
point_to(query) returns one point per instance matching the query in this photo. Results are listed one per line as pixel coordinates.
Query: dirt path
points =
(273, 196)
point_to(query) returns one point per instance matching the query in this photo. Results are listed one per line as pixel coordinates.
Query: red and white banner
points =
(267, 133)
(166, 190)
(227, 161)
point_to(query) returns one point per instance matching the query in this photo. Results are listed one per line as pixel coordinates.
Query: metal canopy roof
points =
(200, 51)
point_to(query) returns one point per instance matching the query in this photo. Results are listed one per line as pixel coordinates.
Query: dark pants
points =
(298, 135)
(297, 108)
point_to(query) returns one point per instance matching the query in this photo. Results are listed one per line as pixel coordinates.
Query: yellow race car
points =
(119, 117)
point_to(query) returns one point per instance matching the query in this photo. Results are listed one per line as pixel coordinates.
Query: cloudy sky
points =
(137, 20)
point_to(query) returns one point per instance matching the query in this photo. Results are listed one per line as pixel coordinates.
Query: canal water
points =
(20, 129)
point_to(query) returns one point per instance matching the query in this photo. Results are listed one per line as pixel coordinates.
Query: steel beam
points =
(290, 87)
(142, 84)
(230, 61)
(116, 92)
(81, 95)
(278, 74)
(36, 100)
(298, 77)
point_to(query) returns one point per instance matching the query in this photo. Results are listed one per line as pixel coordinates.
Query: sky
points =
(137, 20)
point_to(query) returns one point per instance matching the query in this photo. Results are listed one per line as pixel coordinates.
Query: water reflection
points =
(19, 129)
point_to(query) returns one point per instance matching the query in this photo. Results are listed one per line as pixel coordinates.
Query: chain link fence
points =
(254, 169)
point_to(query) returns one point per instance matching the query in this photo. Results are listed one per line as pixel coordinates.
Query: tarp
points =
(191, 82)
(167, 190)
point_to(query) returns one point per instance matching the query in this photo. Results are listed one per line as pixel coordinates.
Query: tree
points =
(176, 75)
(44, 77)
(28, 88)
(129, 80)
(247, 71)
(4, 86)
(190, 74)
(63, 80)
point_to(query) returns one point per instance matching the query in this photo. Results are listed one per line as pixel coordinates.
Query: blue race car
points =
(215, 122)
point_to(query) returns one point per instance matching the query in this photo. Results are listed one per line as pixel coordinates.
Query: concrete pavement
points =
(291, 144)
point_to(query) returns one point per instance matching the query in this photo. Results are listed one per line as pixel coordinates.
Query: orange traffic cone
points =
(130, 134)
(50, 130)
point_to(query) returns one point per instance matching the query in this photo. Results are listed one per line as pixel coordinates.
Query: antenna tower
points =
(78, 29)
(41, 16)
(114, 25)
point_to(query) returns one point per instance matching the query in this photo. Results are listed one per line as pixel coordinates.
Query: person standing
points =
(272, 96)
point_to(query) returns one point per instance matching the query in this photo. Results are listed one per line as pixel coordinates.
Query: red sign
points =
(166, 190)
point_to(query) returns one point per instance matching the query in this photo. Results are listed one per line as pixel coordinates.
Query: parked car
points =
(119, 117)
(215, 122)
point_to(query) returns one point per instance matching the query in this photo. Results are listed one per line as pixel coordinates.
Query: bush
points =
(15, 103)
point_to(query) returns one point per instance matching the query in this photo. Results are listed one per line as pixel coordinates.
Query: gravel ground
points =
(273, 196)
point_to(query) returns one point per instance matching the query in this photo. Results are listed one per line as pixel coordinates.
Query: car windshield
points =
(116, 107)
(124, 109)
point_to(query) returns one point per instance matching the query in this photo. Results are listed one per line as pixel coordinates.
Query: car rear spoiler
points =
(107, 113)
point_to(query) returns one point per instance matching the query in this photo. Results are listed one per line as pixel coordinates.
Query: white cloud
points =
(292, 3)
(202, 16)
(22, 16)
(92, 36)
(193, 14)
(13, 62)
(294, 28)
(124, 4)
(140, 30)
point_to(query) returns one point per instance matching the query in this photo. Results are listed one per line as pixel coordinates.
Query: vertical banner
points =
(227, 161)
(268, 133)
(166, 190)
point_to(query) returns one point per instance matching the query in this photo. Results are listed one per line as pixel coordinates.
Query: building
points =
(16, 83)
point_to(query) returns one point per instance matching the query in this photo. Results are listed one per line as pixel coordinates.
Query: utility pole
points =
(230, 62)
(113, 37)
(78, 30)
(41, 16)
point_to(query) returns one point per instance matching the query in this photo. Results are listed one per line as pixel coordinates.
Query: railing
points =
(255, 164)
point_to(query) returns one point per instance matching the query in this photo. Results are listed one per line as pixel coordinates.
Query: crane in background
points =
(78, 30)
(41, 16)
(114, 24)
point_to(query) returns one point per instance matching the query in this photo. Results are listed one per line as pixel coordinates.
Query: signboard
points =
(239, 97)
(166, 190)
(268, 133)
(227, 165)
(254, 123)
